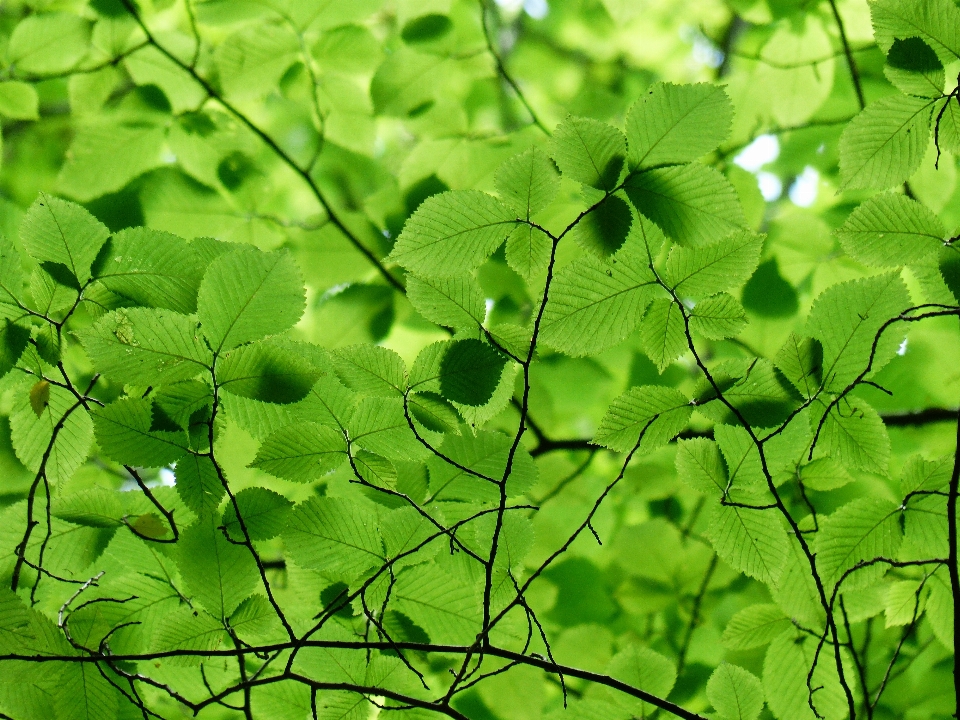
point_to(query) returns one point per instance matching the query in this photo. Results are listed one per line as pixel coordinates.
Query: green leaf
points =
(11, 279)
(336, 537)
(702, 271)
(252, 60)
(147, 66)
(199, 485)
(47, 43)
(181, 402)
(58, 231)
(795, 74)
(936, 22)
(31, 434)
(255, 620)
(380, 426)
(846, 317)
(914, 68)
(426, 29)
(146, 346)
(124, 433)
(594, 304)
(302, 452)
(470, 372)
(152, 268)
(855, 435)
(248, 294)
(217, 573)
(889, 230)
(528, 249)
(801, 362)
(700, 466)
(949, 134)
(735, 693)
(768, 294)
(375, 470)
(148, 525)
(264, 512)
(859, 531)
(18, 100)
(485, 456)
(754, 626)
(663, 333)
(717, 317)
(270, 372)
(939, 609)
(825, 474)
(904, 603)
(948, 264)
(646, 669)
(403, 83)
(604, 229)
(528, 182)
(351, 48)
(920, 474)
(885, 143)
(693, 204)
(40, 397)
(106, 155)
(752, 541)
(186, 629)
(785, 671)
(742, 457)
(95, 507)
(371, 370)
(677, 123)
(760, 394)
(452, 233)
(433, 412)
(455, 302)
(13, 341)
(589, 151)
(83, 693)
(651, 416)
(445, 606)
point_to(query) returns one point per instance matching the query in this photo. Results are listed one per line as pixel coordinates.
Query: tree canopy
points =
(560, 359)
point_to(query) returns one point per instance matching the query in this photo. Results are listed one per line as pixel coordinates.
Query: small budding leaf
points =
(149, 525)
(40, 397)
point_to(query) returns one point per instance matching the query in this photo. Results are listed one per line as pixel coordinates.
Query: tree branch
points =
(272, 144)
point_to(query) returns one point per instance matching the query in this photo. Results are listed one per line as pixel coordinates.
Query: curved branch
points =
(272, 144)
(502, 70)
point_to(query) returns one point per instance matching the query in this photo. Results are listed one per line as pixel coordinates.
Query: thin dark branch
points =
(502, 70)
(303, 173)
(848, 51)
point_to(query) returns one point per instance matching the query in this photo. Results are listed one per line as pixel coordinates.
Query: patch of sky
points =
(537, 9)
(704, 51)
(762, 151)
(803, 191)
